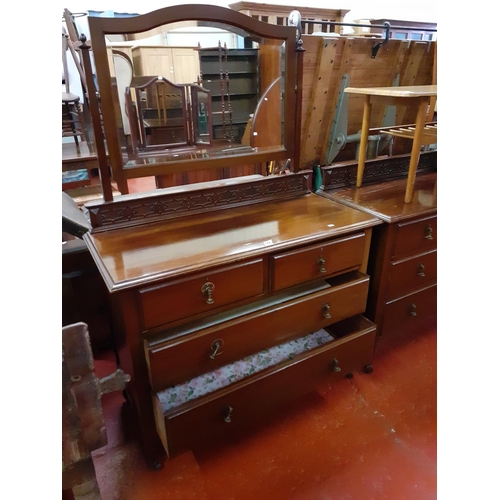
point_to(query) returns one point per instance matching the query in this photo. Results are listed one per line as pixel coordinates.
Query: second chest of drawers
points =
(403, 266)
(403, 253)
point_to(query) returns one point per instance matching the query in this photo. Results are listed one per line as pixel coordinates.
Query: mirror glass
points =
(196, 90)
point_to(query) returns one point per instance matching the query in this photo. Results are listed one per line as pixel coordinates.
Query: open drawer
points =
(177, 355)
(346, 347)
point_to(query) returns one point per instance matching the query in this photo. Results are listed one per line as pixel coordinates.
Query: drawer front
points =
(416, 237)
(180, 359)
(200, 293)
(413, 312)
(317, 261)
(239, 405)
(409, 274)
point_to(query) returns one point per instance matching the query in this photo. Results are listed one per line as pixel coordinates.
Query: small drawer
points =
(317, 261)
(203, 349)
(238, 405)
(412, 312)
(415, 237)
(409, 274)
(204, 292)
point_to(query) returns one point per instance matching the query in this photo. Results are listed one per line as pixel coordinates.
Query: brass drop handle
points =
(322, 262)
(326, 311)
(336, 367)
(412, 311)
(216, 348)
(229, 413)
(208, 289)
(428, 232)
(420, 270)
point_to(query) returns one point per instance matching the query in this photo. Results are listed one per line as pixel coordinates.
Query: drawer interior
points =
(172, 398)
(290, 371)
(224, 376)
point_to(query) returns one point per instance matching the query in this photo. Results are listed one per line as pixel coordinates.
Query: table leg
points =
(415, 150)
(363, 141)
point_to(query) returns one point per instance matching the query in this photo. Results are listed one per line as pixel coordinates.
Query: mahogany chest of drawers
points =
(222, 316)
(403, 255)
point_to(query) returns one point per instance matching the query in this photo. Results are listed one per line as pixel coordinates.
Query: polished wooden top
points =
(141, 255)
(404, 91)
(386, 199)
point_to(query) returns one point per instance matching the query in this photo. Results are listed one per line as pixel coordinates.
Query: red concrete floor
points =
(371, 437)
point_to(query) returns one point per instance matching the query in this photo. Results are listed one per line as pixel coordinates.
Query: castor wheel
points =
(349, 375)
(368, 369)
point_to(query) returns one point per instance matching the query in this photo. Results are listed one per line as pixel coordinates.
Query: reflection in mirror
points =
(194, 94)
(193, 90)
(158, 112)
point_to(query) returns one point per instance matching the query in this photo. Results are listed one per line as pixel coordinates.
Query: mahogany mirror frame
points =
(101, 26)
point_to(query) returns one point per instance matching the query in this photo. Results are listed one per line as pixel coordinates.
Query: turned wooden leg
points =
(415, 150)
(367, 110)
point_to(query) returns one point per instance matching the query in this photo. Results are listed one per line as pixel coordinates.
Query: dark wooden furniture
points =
(223, 271)
(231, 75)
(403, 258)
(83, 291)
(407, 30)
(278, 14)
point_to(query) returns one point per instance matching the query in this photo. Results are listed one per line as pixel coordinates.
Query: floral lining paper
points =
(221, 377)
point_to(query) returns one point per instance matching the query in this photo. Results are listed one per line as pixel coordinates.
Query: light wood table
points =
(421, 133)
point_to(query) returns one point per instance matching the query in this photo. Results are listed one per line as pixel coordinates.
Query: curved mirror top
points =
(200, 89)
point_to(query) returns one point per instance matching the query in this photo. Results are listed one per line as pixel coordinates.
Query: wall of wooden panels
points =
(327, 60)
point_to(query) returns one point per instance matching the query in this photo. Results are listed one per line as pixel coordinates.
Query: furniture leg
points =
(415, 150)
(363, 141)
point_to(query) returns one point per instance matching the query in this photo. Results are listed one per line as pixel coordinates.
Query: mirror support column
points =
(298, 108)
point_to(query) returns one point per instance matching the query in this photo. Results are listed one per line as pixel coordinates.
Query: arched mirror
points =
(208, 88)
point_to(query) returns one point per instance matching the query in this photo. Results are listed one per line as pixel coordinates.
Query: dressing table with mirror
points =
(233, 296)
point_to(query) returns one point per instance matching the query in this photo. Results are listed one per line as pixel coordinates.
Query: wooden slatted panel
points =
(416, 70)
(412, 61)
(311, 45)
(313, 123)
(364, 71)
(432, 106)
(429, 134)
(341, 67)
(426, 69)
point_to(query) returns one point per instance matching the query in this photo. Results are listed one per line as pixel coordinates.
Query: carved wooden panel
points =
(132, 210)
(344, 174)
